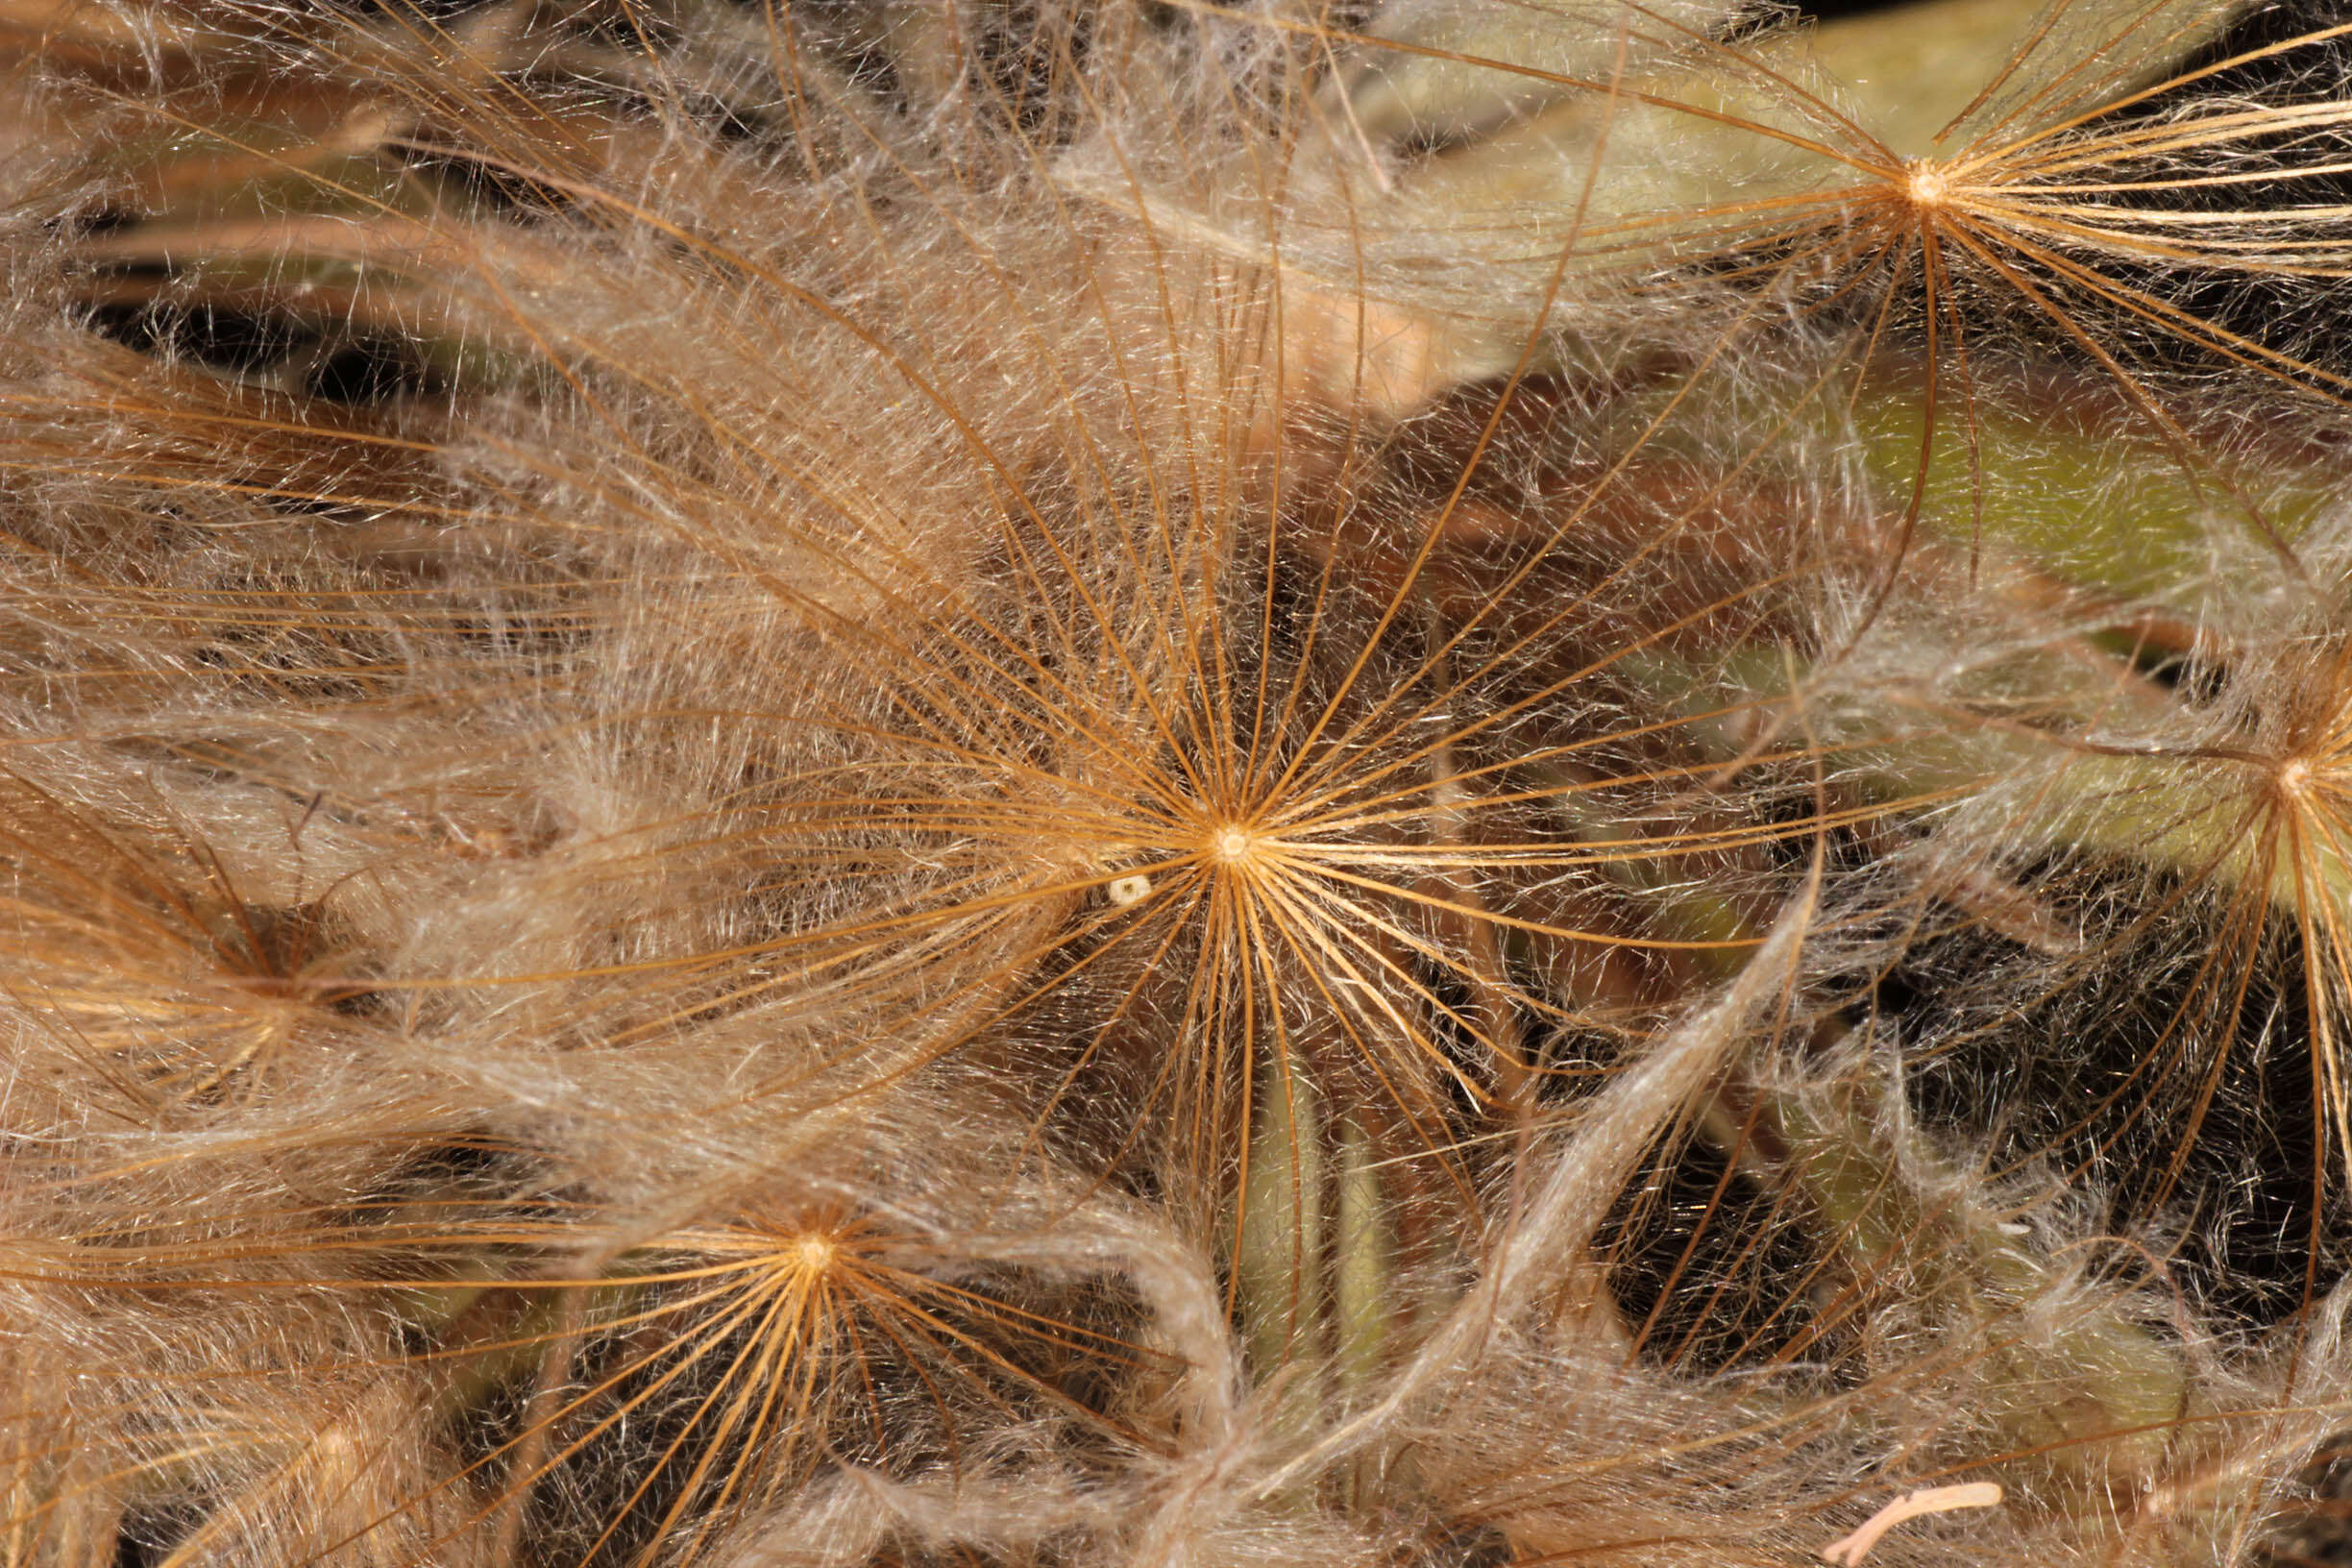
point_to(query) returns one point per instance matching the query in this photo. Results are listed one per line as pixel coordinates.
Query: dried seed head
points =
(1926, 183)
(1232, 844)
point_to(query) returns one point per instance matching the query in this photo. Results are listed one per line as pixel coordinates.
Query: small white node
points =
(2294, 778)
(1928, 185)
(1129, 890)
(1232, 844)
(813, 1254)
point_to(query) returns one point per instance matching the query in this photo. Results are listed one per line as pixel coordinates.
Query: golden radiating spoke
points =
(725, 1363)
(1253, 624)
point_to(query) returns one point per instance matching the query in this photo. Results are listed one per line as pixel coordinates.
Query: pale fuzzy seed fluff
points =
(1164, 784)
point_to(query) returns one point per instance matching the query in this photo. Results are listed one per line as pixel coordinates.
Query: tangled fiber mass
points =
(1433, 783)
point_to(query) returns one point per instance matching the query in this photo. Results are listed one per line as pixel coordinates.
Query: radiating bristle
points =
(1067, 781)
